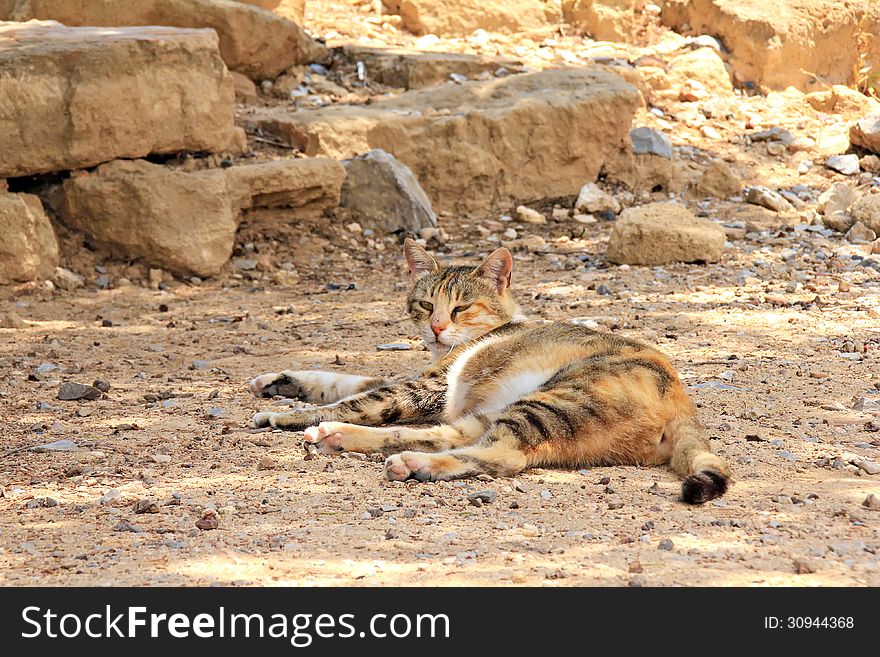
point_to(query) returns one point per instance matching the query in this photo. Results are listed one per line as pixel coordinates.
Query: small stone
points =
(848, 165)
(649, 141)
(101, 385)
(112, 495)
(126, 526)
(638, 581)
(161, 458)
(782, 499)
(267, 463)
(70, 391)
(483, 496)
(870, 163)
(208, 521)
(802, 566)
(804, 166)
(665, 544)
(245, 264)
(146, 506)
(860, 234)
(801, 144)
(66, 279)
(57, 446)
(529, 216)
(200, 365)
(872, 502)
(635, 567)
(869, 466)
(546, 494)
(775, 148)
(768, 198)
(393, 346)
(592, 200)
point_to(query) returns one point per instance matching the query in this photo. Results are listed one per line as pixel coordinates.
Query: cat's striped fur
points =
(506, 393)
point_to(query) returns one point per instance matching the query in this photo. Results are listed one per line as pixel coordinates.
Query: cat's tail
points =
(706, 475)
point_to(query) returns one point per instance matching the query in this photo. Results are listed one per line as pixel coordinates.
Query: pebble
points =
(393, 346)
(546, 494)
(126, 526)
(767, 198)
(649, 141)
(208, 521)
(101, 385)
(70, 391)
(483, 497)
(848, 165)
(638, 581)
(57, 446)
(869, 466)
(146, 506)
(665, 544)
(529, 216)
(267, 463)
(872, 502)
(110, 496)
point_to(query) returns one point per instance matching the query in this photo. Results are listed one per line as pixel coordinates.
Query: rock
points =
(182, 221)
(28, 249)
(208, 521)
(868, 466)
(718, 181)
(473, 143)
(405, 69)
(859, 233)
(801, 144)
(394, 346)
(65, 279)
(146, 506)
(866, 132)
(309, 185)
(872, 502)
(245, 89)
(704, 66)
(804, 166)
(126, 526)
(254, 42)
(806, 44)
(529, 216)
(662, 233)
(834, 203)
(650, 141)
(11, 320)
(840, 99)
(604, 20)
(771, 135)
(666, 544)
(267, 463)
(529, 244)
(484, 496)
(57, 446)
(867, 211)
(593, 200)
(462, 17)
(848, 165)
(767, 198)
(776, 149)
(383, 193)
(870, 163)
(291, 9)
(111, 496)
(70, 391)
(125, 93)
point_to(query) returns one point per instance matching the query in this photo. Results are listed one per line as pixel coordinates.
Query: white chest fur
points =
(496, 395)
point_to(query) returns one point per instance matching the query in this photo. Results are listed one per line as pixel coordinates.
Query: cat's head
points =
(454, 305)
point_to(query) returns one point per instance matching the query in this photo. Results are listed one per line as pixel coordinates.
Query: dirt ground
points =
(778, 344)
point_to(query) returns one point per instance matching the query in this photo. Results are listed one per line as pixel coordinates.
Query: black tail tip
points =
(703, 486)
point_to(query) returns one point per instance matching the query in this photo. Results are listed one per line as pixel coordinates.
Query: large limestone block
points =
(808, 44)
(75, 97)
(477, 144)
(253, 41)
(662, 233)
(185, 221)
(461, 17)
(28, 247)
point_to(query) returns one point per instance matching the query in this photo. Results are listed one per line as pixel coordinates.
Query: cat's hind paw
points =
(327, 437)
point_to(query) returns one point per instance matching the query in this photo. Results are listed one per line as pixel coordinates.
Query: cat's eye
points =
(460, 309)
(426, 306)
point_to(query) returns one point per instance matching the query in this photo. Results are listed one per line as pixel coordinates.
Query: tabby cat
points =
(505, 393)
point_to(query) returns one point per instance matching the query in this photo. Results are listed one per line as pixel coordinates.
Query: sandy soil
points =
(777, 344)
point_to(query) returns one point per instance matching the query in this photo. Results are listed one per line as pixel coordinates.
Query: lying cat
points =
(506, 393)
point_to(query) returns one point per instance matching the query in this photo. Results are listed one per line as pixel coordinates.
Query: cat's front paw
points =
(327, 437)
(262, 419)
(273, 383)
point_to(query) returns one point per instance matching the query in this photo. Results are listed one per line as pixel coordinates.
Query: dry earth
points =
(778, 344)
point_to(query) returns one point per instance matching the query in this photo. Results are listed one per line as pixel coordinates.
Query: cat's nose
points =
(437, 329)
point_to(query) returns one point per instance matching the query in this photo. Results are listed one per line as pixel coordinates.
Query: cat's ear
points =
(418, 260)
(497, 269)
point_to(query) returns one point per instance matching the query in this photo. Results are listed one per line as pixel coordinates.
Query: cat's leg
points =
(335, 437)
(313, 386)
(409, 401)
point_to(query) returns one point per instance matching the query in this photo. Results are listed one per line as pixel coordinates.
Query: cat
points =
(504, 393)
